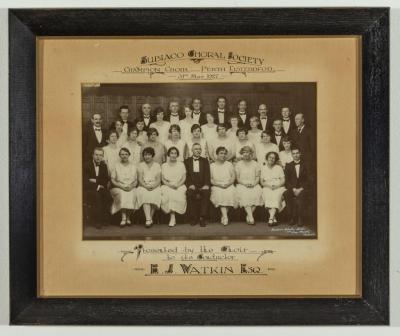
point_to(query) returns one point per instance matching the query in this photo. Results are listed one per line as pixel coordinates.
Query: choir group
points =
(180, 160)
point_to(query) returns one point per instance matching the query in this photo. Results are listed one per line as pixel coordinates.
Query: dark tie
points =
(286, 120)
(146, 117)
(97, 129)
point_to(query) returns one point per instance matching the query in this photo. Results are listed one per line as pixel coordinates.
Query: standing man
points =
(198, 116)
(297, 179)
(173, 116)
(145, 115)
(123, 118)
(278, 134)
(221, 114)
(302, 137)
(198, 186)
(95, 193)
(287, 122)
(265, 120)
(94, 136)
(243, 117)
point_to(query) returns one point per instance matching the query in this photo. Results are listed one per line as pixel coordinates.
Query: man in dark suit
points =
(298, 182)
(265, 120)
(145, 115)
(221, 114)
(173, 115)
(277, 134)
(302, 137)
(242, 115)
(123, 118)
(198, 184)
(95, 194)
(199, 117)
(288, 125)
(93, 136)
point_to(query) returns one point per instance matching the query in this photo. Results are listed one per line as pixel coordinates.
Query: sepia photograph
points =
(199, 160)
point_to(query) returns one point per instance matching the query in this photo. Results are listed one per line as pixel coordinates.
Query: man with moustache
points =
(124, 118)
(198, 182)
(173, 115)
(265, 120)
(287, 122)
(243, 117)
(221, 114)
(278, 134)
(198, 116)
(93, 136)
(302, 137)
(145, 115)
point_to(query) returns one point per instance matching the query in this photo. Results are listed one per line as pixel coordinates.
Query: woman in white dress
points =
(285, 156)
(173, 190)
(186, 123)
(197, 138)
(134, 146)
(149, 191)
(175, 140)
(248, 188)
(161, 125)
(222, 140)
(111, 151)
(209, 129)
(241, 142)
(123, 191)
(254, 133)
(265, 146)
(122, 136)
(273, 182)
(158, 147)
(223, 192)
(232, 132)
(142, 134)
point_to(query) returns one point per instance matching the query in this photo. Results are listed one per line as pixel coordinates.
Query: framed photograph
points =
(173, 168)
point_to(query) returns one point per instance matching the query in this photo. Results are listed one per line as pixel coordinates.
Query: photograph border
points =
(25, 25)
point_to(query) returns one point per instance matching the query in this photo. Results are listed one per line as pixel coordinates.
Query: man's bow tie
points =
(297, 163)
(97, 129)
(242, 113)
(196, 112)
(287, 120)
(194, 159)
(146, 117)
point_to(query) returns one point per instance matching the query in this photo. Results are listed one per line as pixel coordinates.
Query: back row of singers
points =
(176, 186)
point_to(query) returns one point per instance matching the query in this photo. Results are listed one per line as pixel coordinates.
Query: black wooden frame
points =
(371, 23)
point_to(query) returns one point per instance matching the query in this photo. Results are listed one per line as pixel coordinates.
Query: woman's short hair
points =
(152, 130)
(188, 106)
(134, 130)
(113, 131)
(158, 110)
(195, 127)
(124, 149)
(242, 130)
(246, 149)
(276, 156)
(174, 127)
(220, 97)
(265, 132)
(148, 150)
(220, 149)
(170, 149)
(286, 139)
(254, 118)
(219, 126)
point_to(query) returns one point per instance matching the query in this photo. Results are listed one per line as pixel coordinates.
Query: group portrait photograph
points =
(199, 161)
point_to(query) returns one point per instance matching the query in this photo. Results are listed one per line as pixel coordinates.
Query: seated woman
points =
(123, 190)
(248, 178)
(149, 191)
(285, 156)
(223, 192)
(134, 147)
(111, 151)
(176, 141)
(273, 182)
(158, 147)
(241, 142)
(173, 190)
(264, 146)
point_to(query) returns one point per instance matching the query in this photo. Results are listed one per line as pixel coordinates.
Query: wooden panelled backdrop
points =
(107, 98)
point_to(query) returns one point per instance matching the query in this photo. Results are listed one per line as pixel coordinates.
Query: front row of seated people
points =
(187, 186)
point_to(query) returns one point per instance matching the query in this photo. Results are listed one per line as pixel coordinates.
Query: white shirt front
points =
(286, 125)
(278, 139)
(96, 169)
(196, 117)
(125, 127)
(98, 133)
(264, 122)
(146, 120)
(196, 166)
(174, 119)
(297, 167)
(221, 116)
(243, 117)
